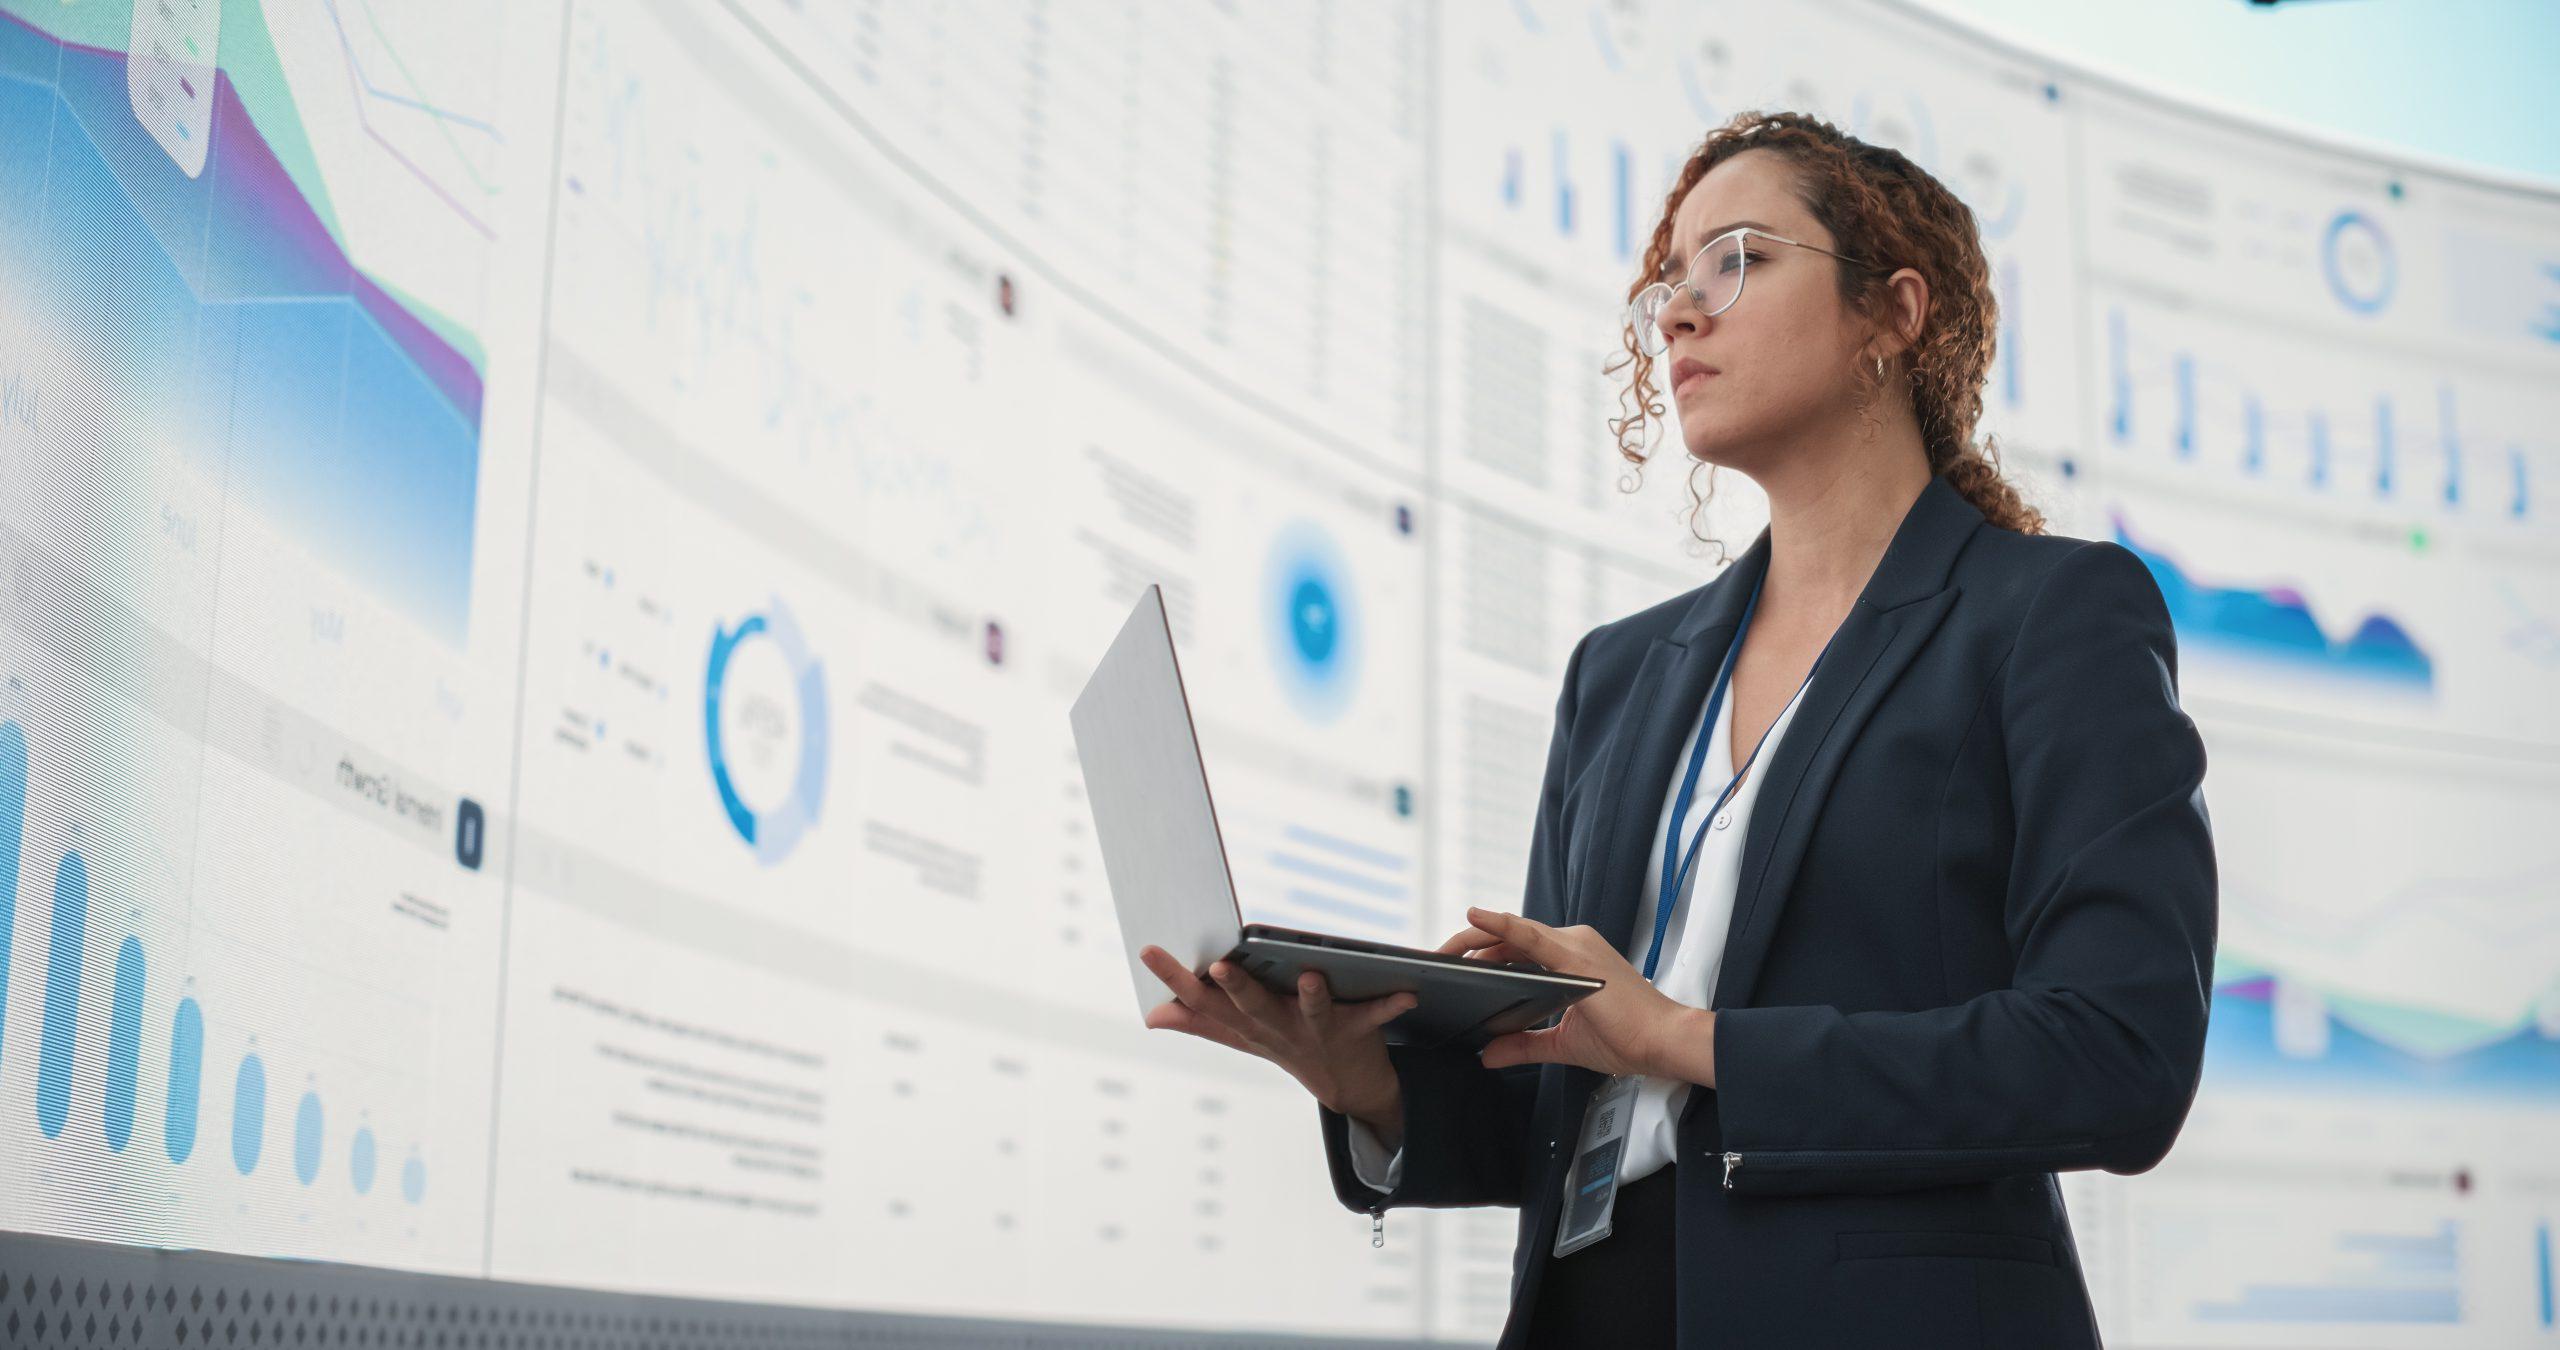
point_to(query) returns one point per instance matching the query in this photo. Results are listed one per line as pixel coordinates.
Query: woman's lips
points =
(1694, 377)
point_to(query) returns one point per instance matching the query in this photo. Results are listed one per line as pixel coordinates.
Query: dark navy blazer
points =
(1971, 946)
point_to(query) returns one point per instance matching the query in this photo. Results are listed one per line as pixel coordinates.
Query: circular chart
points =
(2355, 257)
(741, 718)
(1312, 621)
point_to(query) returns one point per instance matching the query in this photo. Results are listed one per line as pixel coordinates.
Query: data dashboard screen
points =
(545, 550)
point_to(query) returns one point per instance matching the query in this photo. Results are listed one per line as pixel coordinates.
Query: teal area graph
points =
(2276, 623)
(352, 413)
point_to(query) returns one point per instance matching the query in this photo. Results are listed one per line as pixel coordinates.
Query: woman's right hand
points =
(1337, 1051)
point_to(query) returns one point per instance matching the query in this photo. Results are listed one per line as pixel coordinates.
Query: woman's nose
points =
(1681, 316)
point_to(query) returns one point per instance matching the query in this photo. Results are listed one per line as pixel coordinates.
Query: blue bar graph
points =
(2185, 370)
(1366, 854)
(1623, 189)
(61, 1034)
(2197, 404)
(2253, 423)
(306, 1138)
(1343, 909)
(13, 823)
(186, 1078)
(59, 1078)
(2452, 444)
(124, 1043)
(2382, 445)
(2119, 379)
(2542, 1268)
(1341, 878)
(1564, 189)
(2285, 1303)
(2012, 386)
(1337, 876)
(2399, 1278)
(248, 1114)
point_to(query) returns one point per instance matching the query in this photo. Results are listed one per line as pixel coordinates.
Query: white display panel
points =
(547, 549)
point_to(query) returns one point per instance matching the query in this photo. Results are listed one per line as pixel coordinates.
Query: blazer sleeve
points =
(2092, 1055)
(1466, 1127)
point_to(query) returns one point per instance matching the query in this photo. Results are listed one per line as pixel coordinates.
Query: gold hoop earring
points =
(1879, 367)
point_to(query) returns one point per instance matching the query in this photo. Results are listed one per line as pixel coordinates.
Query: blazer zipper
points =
(1902, 1157)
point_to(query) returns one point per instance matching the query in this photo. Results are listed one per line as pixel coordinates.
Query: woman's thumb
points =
(1518, 1047)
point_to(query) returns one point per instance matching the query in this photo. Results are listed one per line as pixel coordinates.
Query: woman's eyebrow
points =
(1728, 226)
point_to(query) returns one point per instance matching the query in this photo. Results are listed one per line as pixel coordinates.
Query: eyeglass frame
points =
(1635, 304)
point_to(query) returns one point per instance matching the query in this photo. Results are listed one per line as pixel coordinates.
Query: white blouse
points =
(1693, 946)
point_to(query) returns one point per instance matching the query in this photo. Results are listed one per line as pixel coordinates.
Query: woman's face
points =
(1779, 357)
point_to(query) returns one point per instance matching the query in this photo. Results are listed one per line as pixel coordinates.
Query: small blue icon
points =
(470, 824)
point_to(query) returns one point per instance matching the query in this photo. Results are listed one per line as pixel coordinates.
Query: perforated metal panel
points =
(61, 1294)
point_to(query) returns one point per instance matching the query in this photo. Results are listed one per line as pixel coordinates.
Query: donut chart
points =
(772, 832)
(2357, 262)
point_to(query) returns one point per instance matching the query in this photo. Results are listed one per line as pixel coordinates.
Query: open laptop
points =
(1171, 885)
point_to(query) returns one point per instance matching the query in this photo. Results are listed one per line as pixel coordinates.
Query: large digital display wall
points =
(544, 551)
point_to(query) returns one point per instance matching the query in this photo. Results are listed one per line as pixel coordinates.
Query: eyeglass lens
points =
(1715, 273)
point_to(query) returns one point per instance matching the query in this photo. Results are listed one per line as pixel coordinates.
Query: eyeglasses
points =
(1714, 281)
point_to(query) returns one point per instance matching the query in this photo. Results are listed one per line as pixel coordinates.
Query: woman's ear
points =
(1906, 310)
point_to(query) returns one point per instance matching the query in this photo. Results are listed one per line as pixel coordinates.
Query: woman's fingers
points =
(1377, 1012)
(1258, 1003)
(1315, 1000)
(1173, 1016)
(1466, 940)
(1185, 985)
(1209, 1001)
(1237, 1010)
(1323, 1016)
(1529, 936)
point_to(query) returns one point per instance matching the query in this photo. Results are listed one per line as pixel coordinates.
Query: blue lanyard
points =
(1669, 895)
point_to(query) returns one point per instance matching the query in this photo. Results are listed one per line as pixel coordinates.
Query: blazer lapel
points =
(1670, 686)
(1902, 604)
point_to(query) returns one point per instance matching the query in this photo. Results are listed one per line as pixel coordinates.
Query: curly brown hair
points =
(1877, 205)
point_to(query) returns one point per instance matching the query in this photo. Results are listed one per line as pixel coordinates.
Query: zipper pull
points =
(1731, 1161)
(1377, 1228)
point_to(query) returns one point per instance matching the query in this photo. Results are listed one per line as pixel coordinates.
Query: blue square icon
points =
(470, 826)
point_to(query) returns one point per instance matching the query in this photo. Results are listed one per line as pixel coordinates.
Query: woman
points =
(1928, 916)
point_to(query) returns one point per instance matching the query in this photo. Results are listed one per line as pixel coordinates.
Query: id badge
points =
(1591, 1184)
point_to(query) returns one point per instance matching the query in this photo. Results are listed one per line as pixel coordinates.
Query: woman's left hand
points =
(1615, 1030)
